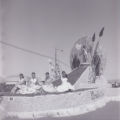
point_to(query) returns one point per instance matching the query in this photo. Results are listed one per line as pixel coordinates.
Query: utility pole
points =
(56, 62)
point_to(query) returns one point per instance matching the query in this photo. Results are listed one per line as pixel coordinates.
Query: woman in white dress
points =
(21, 84)
(48, 86)
(65, 85)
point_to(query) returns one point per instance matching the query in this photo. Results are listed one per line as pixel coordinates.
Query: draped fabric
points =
(81, 52)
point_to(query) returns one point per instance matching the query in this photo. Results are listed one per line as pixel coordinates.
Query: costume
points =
(65, 86)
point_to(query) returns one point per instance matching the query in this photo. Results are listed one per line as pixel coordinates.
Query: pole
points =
(55, 61)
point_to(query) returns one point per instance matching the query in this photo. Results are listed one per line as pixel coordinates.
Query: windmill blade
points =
(101, 32)
(93, 37)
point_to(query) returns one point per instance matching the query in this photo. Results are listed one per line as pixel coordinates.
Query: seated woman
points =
(20, 84)
(65, 86)
(48, 80)
(48, 86)
(34, 82)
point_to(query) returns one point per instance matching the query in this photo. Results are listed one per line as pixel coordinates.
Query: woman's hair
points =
(21, 74)
(47, 73)
(33, 72)
(63, 72)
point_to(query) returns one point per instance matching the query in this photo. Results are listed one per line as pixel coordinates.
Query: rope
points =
(30, 51)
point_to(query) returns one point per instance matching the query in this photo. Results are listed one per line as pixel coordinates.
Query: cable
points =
(30, 51)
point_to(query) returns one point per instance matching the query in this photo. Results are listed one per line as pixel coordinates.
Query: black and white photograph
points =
(59, 60)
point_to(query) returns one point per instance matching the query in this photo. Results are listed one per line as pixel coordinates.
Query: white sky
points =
(42, 25)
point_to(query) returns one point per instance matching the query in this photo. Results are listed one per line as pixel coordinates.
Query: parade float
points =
(87, 67)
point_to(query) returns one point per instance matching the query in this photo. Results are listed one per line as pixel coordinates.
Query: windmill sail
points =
(75, 74)
(80, 58)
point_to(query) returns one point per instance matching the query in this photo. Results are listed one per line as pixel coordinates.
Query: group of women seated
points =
(34, 85)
